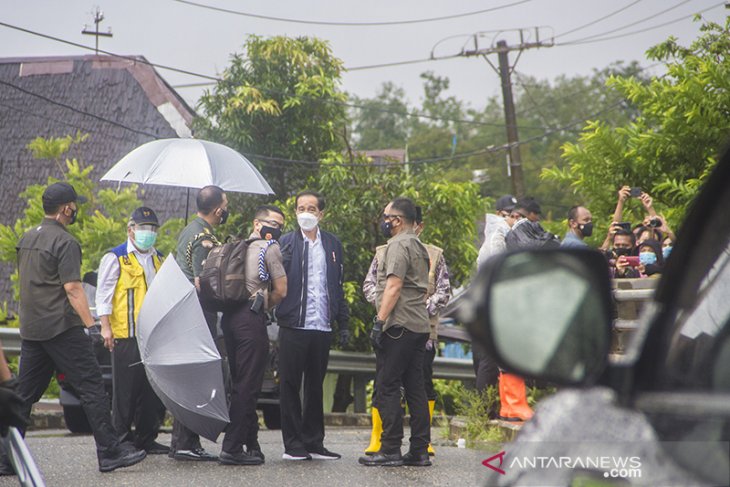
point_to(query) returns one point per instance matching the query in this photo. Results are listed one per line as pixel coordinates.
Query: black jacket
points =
(291, 312)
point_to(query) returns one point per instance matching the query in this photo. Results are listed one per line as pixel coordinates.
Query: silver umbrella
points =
(178, 353)
(189, 163)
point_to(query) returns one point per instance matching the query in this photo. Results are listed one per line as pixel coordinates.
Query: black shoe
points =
(194, 455)
(417, 459)
(323, 454)
(296, 455)
(257, 453)
(241, 458)
(382, 460)
(121, 459)
(154, 448)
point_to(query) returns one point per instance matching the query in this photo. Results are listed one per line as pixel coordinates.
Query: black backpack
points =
(223, 280)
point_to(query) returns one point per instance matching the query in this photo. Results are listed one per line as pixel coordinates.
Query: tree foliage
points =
(101, 222)
(668, 149)
(279, 99)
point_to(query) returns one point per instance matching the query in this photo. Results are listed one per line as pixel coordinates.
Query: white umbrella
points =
(189, 163)
(178, 353)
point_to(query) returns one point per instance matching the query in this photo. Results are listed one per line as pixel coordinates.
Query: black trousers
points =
(72, 354)
(302, 354)
(248, 349)
(134, 400)
(485, 367)
(184, 438)
(428, 356)
(400, 363)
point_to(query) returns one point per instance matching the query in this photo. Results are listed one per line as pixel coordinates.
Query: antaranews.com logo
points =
(622, 467)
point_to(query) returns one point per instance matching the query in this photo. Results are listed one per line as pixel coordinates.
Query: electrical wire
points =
(598, 38)
(349, 24)
(77, 110)
(600, 19)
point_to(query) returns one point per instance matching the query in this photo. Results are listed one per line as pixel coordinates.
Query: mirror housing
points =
(545, 314)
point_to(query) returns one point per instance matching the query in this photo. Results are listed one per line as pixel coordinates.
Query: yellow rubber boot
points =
(377, 431)
(431, 405)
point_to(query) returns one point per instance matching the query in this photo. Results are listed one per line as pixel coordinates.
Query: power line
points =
(88, 48)
(488, 150)
(598, 38)
(349, 24)
(77, 127)
(600, 19)
(77, 110)
(401, 63)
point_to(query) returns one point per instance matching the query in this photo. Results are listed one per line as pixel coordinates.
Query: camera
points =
(655, 223)
(635, 192)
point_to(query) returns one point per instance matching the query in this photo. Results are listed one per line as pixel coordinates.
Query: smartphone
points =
(635, 192)
(624, 225)
(633, 260)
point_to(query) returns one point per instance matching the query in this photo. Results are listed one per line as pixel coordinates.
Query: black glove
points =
(376, 334)
(11, 408)
(95, 335)
(344, 337)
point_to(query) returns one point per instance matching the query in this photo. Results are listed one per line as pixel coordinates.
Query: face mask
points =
(73, 216)
(386, 228)
(144, 239)
(647, 258)
(586, 229)
(666, 251)
(224, 216)
(269, 233)
(620, 252)
(307, 221)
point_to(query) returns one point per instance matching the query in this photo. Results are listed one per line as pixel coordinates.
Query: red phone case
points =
(633, 260)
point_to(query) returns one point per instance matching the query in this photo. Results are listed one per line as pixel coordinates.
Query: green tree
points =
(669, 148)
(281, 99)
(101, 222)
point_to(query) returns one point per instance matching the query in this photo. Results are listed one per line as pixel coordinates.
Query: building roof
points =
(120, 102)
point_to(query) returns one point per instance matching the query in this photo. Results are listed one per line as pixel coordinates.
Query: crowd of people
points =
(300, 274)
(631, 250)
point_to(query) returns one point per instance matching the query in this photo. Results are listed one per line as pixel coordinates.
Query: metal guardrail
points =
(10, 338)
(364, 363)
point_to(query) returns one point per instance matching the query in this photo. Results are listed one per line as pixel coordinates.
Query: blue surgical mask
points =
(666, 251)
(647, 258)
(144, 239)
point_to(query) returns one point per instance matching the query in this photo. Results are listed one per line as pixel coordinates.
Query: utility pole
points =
(98, 17)
(505, 71)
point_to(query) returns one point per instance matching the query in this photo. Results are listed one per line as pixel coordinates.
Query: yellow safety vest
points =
(129, 292)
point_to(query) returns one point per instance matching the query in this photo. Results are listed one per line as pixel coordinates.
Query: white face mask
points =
(307, 221)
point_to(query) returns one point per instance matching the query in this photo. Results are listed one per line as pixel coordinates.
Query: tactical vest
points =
(129, 292)
(434, 255)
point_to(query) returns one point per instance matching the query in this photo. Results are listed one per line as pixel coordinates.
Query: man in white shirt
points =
(315, 300)
(125, 274)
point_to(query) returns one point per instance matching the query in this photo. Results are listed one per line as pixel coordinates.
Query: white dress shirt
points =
(317, 315)
(109, 275)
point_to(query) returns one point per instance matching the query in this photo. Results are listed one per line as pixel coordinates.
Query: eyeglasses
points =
(386, 216)
(517, 216)
(273, 223)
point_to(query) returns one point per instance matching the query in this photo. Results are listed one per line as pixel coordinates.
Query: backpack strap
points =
(204, 235)
(263, 275)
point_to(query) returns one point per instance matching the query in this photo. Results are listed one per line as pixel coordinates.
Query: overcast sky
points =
(201, 40)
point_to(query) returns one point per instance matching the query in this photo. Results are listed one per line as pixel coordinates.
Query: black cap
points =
(144, 216)
(60, 193)
(506, 203)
